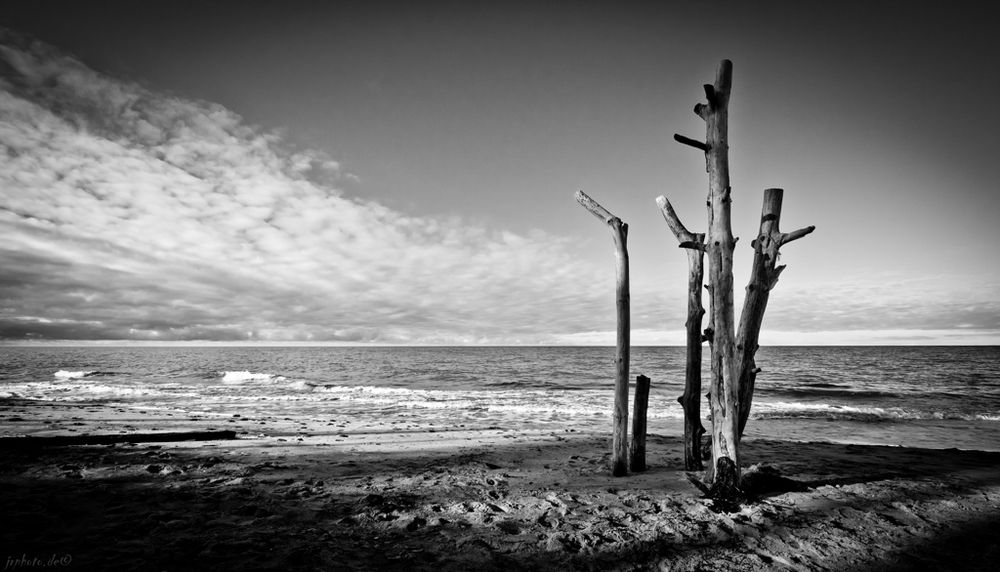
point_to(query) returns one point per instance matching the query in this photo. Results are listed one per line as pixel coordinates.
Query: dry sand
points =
(332, 494)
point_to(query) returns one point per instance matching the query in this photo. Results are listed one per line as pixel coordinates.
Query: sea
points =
(930, 397)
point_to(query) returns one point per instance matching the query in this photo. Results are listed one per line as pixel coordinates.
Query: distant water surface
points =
(923, 396)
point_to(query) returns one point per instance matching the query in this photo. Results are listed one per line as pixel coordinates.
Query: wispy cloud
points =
(889, 302)
(128, 214)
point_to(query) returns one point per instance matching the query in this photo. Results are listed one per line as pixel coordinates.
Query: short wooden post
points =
(619, 232)
(637, 457)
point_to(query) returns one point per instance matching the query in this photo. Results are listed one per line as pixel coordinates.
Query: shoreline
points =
(321, 494)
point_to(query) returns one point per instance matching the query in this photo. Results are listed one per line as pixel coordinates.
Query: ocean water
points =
(937, 397)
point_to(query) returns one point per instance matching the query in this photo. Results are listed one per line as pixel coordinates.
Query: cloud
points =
(129, 214)
(888, 302)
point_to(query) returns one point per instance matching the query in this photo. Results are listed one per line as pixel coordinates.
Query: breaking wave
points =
(249, 376)
(868, 414)
(65, 374)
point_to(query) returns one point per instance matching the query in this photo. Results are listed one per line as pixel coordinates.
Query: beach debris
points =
(760, 481)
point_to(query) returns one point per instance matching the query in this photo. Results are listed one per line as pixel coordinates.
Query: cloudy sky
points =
(382, 172)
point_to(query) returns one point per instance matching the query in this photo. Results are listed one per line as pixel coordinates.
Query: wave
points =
(92, 391)
(248, 387)
(864, 414)
(532, 404)
(832, 390)
(245, 376)
(65, 374)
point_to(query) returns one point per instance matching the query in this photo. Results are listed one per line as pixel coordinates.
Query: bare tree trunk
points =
(733, 367)
(619, 232)
(690, 400)
(637, 459)
(763, 277)
(724, 385)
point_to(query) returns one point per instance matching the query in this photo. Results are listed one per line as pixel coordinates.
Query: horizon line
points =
(291, 344)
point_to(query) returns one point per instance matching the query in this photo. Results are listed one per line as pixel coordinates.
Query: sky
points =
(403, 173)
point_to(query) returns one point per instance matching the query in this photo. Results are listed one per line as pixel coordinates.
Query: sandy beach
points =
(329, 494)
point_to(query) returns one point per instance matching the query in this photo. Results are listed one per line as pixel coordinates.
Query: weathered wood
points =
(619, 233)
(732, 353)
(763, 277)
(637, 452)
(724, 388)
(725, 490)
(690, 400)
(30, 442)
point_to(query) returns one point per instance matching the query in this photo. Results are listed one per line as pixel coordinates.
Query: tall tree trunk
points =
(690, 400)
(724, 384)
(763, 278)
(732, 354)
(619, 232)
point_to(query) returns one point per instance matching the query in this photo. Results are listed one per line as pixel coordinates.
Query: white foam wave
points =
(84, 391)
(248, 387)
(514, 403)
(780, 409)
(245, 376)
(64, 374)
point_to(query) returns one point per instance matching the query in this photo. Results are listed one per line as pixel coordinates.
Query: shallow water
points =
(928, 396)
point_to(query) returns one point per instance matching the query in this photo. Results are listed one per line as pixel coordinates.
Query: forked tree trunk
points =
(724, 383)
(690, 400)
(733, 367)
(619, 232)
(763, 277)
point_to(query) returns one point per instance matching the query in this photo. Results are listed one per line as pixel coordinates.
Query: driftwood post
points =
(763, 277)
(619, 232)
(723, 394)
(637, 458)
(690, 400)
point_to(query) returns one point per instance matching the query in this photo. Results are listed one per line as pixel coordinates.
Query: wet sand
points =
(404, 494)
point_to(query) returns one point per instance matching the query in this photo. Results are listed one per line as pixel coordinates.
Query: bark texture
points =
(637, 457)
(619, 233)
(732, 353)
(763, 277)
(690, 400)
(720, 243)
